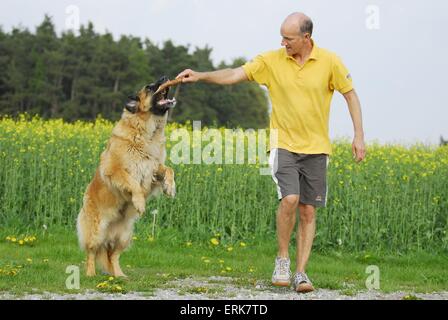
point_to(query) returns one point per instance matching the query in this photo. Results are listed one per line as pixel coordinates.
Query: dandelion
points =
(242, 244)
(230, 249)
(228, 269)
(111, 279)
(214, 241)
(21, 242)
(29, 260)
(189, 244)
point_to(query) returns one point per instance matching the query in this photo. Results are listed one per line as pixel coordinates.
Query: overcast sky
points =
(396, 50)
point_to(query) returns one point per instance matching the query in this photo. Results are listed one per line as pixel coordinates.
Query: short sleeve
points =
(257, 70)
(341, 80)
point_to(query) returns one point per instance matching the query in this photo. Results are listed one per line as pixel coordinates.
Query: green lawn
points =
(151, 264)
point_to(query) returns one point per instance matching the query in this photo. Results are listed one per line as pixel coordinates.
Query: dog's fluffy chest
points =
(148, 153)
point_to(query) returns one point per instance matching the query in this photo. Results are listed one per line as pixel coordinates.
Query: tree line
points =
(89, 74)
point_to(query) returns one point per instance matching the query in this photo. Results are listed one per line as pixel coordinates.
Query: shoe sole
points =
(304, 288)
(281, 284)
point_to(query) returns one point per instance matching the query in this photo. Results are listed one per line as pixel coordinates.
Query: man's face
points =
(292, 40)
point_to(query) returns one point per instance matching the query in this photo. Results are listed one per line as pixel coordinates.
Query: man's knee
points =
(307, 213)
(290, 202)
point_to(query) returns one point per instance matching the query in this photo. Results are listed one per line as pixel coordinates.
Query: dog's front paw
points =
(169, 186)
(170, 189)
(139, 204)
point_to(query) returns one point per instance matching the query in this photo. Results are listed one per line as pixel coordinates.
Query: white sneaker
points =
(282, 273)
(302, 283)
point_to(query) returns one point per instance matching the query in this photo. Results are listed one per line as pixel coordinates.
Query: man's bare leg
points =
(305, 237)
(286, 219)
(306, 231)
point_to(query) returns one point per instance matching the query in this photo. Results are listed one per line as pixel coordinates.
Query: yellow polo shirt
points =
(300, 96)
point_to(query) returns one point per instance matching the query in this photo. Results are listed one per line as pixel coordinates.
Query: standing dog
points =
(131, 169)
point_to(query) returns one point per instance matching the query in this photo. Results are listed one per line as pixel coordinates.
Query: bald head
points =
(298, 21)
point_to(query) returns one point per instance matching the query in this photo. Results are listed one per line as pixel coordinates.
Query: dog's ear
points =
(132, 104)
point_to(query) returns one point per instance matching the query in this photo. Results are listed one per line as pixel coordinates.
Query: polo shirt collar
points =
(314, 55)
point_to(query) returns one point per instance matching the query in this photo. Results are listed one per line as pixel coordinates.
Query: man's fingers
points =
(184, 74)
(360, 154)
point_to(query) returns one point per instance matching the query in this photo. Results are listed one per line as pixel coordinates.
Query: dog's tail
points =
(79, 228)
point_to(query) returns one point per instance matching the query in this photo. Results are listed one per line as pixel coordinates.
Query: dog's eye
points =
(151, 87)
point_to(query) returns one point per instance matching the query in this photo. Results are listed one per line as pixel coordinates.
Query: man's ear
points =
(132, 104)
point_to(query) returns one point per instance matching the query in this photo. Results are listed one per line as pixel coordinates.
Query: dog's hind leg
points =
(104, 261)
(114, 256)
(124, 231)
(91, 255)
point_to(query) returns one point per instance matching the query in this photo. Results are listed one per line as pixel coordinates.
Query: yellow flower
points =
(45, 260)
(206, 261)
(13, 239)
(134, 238)
(230, 249)
(111, 278)
(189, 244)
(214, 241)
(21, 242)
(242, 244)
(228, 269)
(29, 260)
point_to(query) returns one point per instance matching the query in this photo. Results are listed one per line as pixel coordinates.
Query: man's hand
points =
(188, 75)
(358, 149)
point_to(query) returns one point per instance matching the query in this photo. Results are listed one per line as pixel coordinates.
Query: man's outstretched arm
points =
(224, 76)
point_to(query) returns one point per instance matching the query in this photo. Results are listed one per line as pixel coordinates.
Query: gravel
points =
(219, 288)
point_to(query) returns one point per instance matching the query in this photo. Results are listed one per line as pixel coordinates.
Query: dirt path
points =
(224, 288)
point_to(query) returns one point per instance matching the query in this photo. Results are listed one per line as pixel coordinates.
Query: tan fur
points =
(131, 169)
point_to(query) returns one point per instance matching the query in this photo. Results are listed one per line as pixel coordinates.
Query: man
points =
(301, 80)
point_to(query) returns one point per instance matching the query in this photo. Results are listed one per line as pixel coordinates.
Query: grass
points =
(395, 200)
(153, 264)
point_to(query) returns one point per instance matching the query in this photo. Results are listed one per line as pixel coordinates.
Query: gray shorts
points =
(300, 174)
